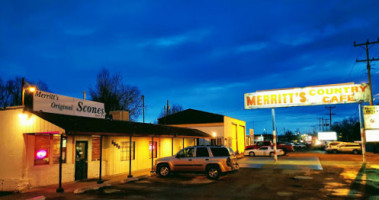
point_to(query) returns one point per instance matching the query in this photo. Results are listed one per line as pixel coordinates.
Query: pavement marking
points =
(284, 163)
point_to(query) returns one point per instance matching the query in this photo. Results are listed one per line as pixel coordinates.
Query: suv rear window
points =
(219, 152)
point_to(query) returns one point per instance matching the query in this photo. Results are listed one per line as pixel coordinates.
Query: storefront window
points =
(153, 148)
(56, 149)
(125, 147)
(42, 150)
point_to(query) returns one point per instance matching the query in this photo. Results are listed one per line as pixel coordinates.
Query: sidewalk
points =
(71, 188)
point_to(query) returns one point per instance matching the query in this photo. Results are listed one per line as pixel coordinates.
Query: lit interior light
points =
(41, 154)
(214, 134)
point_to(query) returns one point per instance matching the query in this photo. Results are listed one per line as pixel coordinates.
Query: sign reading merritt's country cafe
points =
(54, 103)
(308, 96)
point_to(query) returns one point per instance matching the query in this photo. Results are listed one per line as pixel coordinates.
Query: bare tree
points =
(10, 91)
(173, 109)
(115, 95)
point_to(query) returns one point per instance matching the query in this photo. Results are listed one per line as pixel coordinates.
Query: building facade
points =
(223, 130)
(39, 148)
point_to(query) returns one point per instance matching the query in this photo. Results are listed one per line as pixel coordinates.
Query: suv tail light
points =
(229, 162)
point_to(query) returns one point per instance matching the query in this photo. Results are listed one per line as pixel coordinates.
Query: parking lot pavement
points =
(342, 177)
(283, 162)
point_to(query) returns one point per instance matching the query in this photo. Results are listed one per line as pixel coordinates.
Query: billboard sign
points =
(371, 117)
(327, 136)
(308, 96)
(372, 135)
(59, 104)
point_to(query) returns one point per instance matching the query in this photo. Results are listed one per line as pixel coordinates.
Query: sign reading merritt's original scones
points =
(54, 103)
(308, 96)
(371, 117)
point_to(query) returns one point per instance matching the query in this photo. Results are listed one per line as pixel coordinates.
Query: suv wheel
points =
(213, 172)
(355, 152)
(163, 170)
(251, 154)
(272, 154)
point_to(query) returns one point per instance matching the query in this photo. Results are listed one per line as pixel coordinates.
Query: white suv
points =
(212, 160)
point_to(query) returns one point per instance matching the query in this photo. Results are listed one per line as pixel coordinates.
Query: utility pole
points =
(325, 124)
(366, 44)
(330, 115)
(168, 108)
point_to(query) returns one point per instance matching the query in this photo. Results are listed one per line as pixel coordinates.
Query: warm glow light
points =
(25, 119)
(214, 134)
(41, 154)
(32, 89)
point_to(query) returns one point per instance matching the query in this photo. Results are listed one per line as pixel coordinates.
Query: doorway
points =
(81, 160)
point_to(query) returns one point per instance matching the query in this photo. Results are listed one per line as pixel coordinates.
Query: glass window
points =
(219, 152)
(188, 153)
(125, 147)
(42, 150)
(202, 152)
(56, 149)
(154, 149)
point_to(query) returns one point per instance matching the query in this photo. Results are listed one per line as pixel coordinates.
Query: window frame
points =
(124, 151)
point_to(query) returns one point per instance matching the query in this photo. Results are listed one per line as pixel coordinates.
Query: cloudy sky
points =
(200, 54)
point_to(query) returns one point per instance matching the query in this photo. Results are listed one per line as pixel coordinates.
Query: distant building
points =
(224, 130)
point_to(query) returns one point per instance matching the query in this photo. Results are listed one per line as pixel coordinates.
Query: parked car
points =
(214, 161)
(332, 146)
(263, 151)
(285, 147)
(349, 147)
(300, 146)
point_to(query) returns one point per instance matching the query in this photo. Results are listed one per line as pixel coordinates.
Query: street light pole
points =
(22, 91)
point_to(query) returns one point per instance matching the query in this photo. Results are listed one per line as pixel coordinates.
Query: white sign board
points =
(327, 136)
(308, 96)
(372, 135)
(54, 103)
(371, 117)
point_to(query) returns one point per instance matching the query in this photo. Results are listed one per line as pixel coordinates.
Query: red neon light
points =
(41, 154)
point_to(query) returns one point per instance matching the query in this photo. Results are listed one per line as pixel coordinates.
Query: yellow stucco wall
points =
(15, 171)
(235, 132)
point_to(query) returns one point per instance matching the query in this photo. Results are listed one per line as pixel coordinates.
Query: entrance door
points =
(81, 160)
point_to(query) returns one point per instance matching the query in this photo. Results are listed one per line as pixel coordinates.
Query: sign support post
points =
(274, 134)
(363, 134)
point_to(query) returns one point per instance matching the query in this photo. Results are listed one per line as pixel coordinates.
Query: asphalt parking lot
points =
(341, 176)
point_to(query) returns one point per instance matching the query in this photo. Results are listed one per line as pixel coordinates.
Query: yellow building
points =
(31, 142)
(224, 130)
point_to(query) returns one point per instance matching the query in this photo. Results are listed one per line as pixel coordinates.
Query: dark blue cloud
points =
(200, 54)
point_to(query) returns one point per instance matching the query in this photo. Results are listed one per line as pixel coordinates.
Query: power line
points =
(330, 115)
(366, 44)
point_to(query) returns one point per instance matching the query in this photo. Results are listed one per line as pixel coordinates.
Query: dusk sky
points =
(202, 55)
